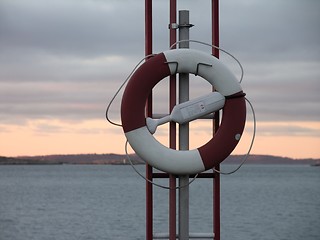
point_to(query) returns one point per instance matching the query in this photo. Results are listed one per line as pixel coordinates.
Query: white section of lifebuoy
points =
(161, 157)
(192, 61)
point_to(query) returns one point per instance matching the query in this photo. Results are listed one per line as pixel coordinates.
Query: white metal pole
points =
(184, 131)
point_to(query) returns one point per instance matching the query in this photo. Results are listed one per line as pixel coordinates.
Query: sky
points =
(62, 61)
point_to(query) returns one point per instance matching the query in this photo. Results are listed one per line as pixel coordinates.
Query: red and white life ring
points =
(134, 120)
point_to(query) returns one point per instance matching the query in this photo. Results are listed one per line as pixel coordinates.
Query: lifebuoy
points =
(134, 120)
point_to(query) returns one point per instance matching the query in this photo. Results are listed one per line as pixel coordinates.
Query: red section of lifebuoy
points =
(138, 89)
(224, 141)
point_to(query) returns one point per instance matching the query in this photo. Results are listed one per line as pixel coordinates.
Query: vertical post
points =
(216, 183)
(172, 127)
(215, 27)
(184, 132)
(149, 189)
(148, 27)
(183, 129)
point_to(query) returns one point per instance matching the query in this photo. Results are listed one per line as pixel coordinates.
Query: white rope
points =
(148, 180)
(126, 144)
(251, 144)
(119, 89)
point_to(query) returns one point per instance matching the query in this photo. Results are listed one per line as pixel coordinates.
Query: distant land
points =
(118, 159)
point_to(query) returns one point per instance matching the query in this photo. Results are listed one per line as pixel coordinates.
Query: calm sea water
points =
(107, 202)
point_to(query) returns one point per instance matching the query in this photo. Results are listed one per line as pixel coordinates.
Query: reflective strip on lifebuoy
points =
(134, 120)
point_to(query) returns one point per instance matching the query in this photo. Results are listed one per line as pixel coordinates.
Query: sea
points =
(84, 202)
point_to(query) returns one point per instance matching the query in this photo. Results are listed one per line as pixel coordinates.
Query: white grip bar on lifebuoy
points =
(140, 86)
(190, 110)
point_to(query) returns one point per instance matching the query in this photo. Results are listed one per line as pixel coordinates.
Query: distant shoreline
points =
(119, 159)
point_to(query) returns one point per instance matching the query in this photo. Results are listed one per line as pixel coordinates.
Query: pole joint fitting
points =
(177, 26)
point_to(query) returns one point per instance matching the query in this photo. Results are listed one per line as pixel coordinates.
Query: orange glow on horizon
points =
(44, 137)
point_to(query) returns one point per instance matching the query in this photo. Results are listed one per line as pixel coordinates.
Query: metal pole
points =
(184, 131)
(149, 170)
(172, 129)
(216, 183)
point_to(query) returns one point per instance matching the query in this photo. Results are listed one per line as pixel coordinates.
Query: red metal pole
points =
(148, 27)
(172, 127)
(215, 27)
(216, 183)
(149, 189)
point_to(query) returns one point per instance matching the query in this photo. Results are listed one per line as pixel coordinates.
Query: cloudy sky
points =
(61, 62)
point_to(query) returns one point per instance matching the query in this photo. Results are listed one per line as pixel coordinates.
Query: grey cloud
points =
(262, 31)
(52, 128)
(77, 102)
(43, 128)
(284, 91)
(51, 68)
(65, 59)
(289, 130)
(71, 27)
